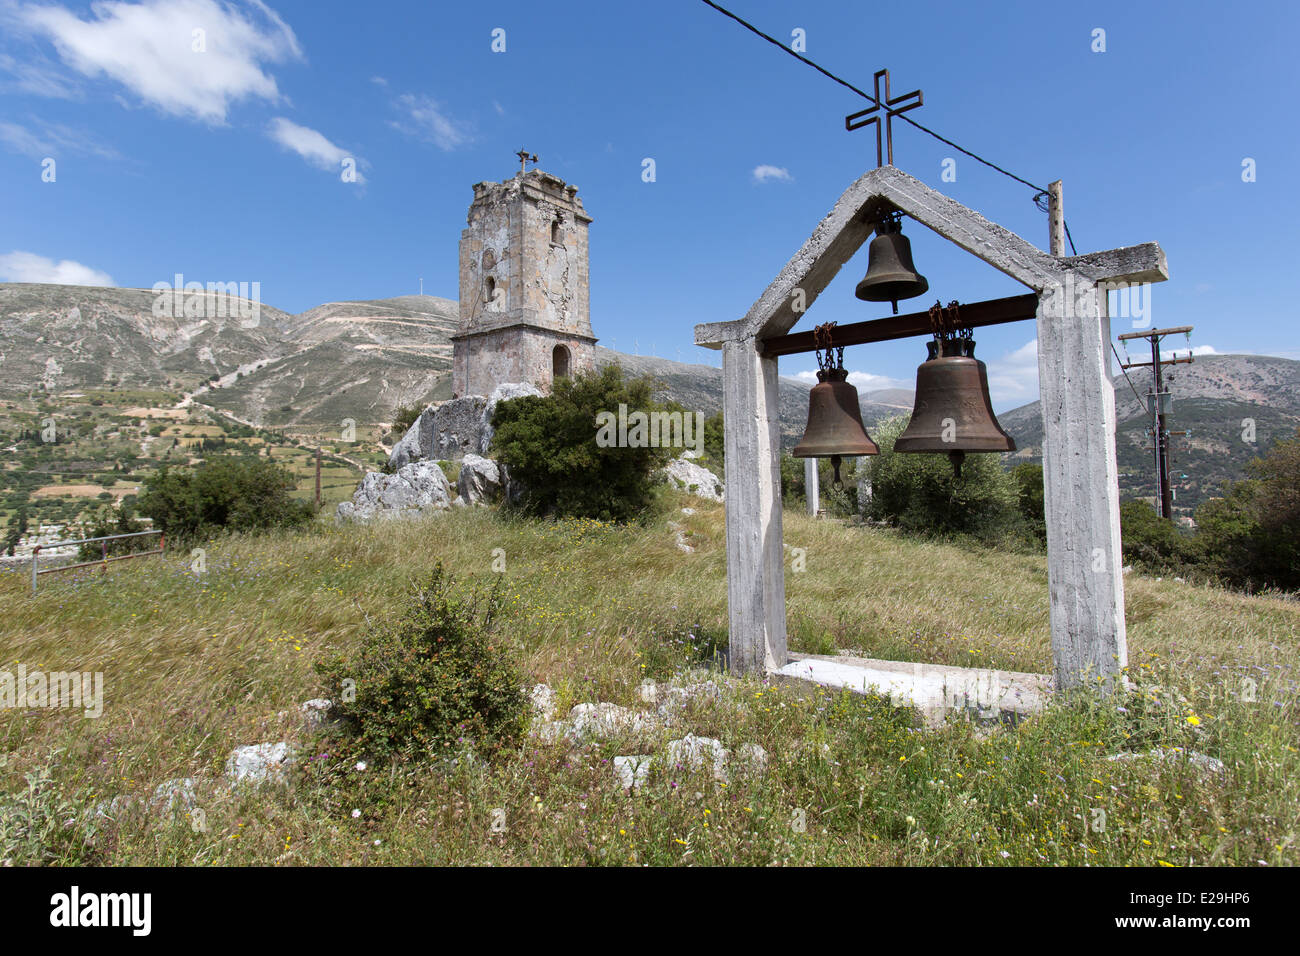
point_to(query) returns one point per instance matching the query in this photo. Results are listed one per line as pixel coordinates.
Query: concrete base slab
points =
(934, 690)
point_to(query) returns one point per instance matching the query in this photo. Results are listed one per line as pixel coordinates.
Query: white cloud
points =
(1202, 350)
(1013, 378)
(426, 119)
(42, 139)
(149, 48)
(29, 267)
(37, 75)
(311, 146)
(764, 174)
(863, 381)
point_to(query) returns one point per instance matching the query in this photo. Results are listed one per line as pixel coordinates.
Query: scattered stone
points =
(607, 720)
(316, 713)
(648, 691)
(699, 481)
(631, 772)
(543, 700)
(750, 761)
(688, 511)
(415, 488)
(480, 480)
(1199, 760)
(693, 752)
(112, 809)
(260, 763)
(1128, 568)
(676, 698)
(174, 792)
(680, 535)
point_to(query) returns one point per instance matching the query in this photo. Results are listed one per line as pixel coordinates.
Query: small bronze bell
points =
(835, 426)
(953, 413)
(891, 275)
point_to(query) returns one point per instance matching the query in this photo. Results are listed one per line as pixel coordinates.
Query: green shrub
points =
(234, 493)
(108, 520)
(429, 680)
(549, 446)
(1251, 536)
(1150, 542)
(1029, 485)
(920, 494)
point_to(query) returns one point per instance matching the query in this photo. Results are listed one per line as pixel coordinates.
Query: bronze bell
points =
(891, 275)
(952, 413)
(834, 422)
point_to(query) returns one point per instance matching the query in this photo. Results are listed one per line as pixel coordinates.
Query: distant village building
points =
(525, 313)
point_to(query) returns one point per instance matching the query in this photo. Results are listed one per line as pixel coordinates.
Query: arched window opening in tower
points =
(560, 362)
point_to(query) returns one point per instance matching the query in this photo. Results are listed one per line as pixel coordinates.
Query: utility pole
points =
(1160, 407)
(318, 478)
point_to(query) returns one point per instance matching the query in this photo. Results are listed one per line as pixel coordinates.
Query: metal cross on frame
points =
(865, 118)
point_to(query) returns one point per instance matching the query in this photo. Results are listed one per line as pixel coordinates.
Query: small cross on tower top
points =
(525, 158)
(893, 107)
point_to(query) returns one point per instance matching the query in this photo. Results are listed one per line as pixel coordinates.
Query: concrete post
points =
(812, 486)
(755, 560)
(1084, 567)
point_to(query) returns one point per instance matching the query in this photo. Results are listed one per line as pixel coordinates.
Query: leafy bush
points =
(109, 520)
(1029, 484)
(430, 679)
(549, 446)
(1150, 542)
(235, 493)
(1251, 536)
(919, 493)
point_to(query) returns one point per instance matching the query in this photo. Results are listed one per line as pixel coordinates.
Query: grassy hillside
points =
(197, 666)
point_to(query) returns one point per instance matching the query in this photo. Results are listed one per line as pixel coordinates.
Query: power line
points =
(1115, 351)
(1039, 190)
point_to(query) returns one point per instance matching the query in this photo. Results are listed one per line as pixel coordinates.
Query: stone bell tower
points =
(525, 313)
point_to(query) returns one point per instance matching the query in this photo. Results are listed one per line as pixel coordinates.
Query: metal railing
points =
(103, 561)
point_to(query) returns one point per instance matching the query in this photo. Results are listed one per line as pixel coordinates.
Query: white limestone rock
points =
(409, 447)
(480, 480)
(416, 488)
(694, 753)
(632, 771)
(588, 721)
(260, 763)
(543, 701)
(316, 713)
(694, 479)
(179, 791)
(502, 393)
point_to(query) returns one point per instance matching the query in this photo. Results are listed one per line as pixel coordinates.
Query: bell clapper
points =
(835, 464)
(956, 457)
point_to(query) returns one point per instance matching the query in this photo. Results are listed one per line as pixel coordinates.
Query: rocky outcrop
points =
(416, 488)
(480, 481)
(693, 478)
(454, 429)
(443, 432)
(502, 393)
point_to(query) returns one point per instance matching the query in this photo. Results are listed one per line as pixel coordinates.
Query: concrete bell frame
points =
(1085, 574)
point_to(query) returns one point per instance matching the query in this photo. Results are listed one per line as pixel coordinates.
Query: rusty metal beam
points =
(1013, 308)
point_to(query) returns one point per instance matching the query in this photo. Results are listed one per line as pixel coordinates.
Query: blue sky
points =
(225, 164)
